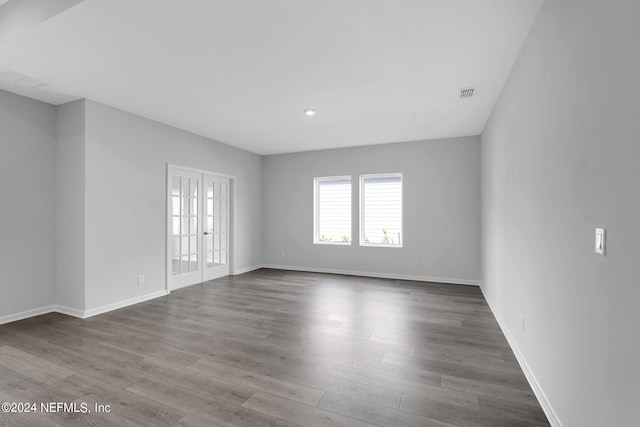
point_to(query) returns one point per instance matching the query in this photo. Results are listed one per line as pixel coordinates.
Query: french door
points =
(198, 225)
(216, 227)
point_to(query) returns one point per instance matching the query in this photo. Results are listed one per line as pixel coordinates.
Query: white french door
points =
(185, 223)
(216, 230)
(198, 224)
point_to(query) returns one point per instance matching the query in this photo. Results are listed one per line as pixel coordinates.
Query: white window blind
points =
(332, 224)
(381, 210)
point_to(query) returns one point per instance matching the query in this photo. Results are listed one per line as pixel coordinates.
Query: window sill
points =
(333, 243)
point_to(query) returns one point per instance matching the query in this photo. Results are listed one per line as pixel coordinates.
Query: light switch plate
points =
(601, 240)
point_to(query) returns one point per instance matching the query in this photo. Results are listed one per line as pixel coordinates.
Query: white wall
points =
(560, 157)
(27, 204)
(441, 209)
(70, 199)
(126, 158)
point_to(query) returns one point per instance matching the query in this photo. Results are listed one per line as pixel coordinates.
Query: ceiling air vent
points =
(467, 92)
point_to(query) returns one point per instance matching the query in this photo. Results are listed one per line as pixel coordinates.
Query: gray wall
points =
(70, 199)
(441, 209)
(27, 204)
(126, 158)
(83, 187)
(559, 158)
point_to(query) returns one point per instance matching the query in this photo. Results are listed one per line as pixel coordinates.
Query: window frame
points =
(361, 212)
(316, 207)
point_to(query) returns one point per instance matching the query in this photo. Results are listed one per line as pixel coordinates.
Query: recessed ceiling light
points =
(310, 113)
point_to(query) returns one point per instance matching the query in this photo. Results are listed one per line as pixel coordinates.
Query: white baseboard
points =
(26, 314)
(377, 275)
(69, 311)
(247, 269)
(121, 304)
(533, 382)
(75, 312)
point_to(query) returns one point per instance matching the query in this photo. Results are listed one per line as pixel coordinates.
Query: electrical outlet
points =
(140, 279)
(283, 254)
(522, 320)
(423, 264)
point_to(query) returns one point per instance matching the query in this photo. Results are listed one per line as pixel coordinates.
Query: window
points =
(381, 210)
(332, 210)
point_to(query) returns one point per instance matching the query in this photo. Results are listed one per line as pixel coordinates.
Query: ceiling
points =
(243, 71)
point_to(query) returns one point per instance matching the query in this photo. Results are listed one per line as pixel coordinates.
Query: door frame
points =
(168, 223)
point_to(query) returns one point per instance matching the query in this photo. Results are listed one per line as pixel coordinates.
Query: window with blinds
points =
(381, 210)
(332, 210)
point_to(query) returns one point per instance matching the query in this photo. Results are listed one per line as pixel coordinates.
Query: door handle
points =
(206, 232)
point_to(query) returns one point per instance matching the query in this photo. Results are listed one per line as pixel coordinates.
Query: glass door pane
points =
(217, 233)
(198, 222)
(183, 227)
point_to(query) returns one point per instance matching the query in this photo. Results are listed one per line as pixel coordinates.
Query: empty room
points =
(319, 213)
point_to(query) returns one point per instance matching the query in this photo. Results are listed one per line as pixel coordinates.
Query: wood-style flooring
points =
(274, 348)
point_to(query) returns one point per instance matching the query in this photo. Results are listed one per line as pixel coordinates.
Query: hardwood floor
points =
(274, 348)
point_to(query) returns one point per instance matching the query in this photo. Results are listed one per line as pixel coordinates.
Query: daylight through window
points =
(332, 210)
(381, 210)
